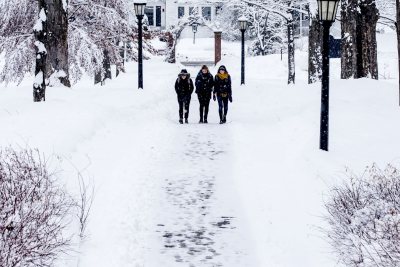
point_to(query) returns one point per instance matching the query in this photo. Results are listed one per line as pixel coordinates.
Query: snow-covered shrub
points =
(364, 219)
(35, 211)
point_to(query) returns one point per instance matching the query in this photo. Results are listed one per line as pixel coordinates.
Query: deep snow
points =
(248, 193)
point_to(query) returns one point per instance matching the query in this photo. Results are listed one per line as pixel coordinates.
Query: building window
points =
(206, 12)
(193, 11)
(158, 16)
(181, 12)
(149, 11)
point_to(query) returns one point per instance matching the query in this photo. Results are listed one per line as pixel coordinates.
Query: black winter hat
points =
(183, 72)
(222, 68)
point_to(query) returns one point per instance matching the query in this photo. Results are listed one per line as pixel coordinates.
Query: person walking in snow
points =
(184, 89)
(223, 92)
(204, 87)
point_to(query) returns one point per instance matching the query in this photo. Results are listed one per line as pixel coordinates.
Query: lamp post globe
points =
(243, 26)
(195, 26)
(327, 10)
(243, 23)
(139, 8)
(139, 11)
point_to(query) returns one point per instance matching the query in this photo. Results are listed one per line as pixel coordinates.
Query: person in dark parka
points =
(184, 89)
(223, 92)
(204, 88)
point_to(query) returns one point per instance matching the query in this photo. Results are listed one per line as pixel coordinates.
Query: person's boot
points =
(201, 120)
(224, 119)
(186, 121)
(181, 121)
(205, 120)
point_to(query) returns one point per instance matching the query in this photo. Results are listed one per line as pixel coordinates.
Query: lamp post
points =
(243, 26)
(195, 25)
(327, 13)
(139, 11)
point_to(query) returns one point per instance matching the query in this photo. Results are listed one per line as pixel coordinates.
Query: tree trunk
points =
(40, 31)
(359, 47)
(105, 73)
(57, 49)
(398, 38)
(349, 37)
(98, 78)
(121, 64)
(291, 55)
(107, 65)
(172, 40)
(366, 44)
(315, 51)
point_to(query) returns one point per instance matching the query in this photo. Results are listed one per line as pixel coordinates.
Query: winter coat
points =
(184, 88)
(204, 85)
(223, 87)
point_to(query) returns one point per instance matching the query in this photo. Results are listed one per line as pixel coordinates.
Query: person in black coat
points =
(184, 89)
(223, 92)
(204, 88)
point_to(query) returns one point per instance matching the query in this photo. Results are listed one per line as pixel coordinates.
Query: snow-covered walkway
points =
(248, 193)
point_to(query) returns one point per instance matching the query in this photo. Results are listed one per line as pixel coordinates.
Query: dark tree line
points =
(359, 48)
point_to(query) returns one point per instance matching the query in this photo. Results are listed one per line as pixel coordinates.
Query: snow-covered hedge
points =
(364, 219)
(35, 212)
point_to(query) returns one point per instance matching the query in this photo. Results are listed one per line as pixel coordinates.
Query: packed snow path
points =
(198, 226)
(169, 191)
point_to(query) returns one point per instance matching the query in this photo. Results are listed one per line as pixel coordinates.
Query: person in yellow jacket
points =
(223, 92)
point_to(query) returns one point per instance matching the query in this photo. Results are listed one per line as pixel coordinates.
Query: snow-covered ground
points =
(248, 193)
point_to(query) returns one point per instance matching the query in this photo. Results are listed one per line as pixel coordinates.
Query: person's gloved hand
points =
(230, 98)
(214, 97)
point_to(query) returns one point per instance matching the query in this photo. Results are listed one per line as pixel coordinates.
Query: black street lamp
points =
(139, 11)
(327, 10)
(243, 26)
(195, 25)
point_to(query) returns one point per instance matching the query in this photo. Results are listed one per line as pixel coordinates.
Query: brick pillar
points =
(218, 46)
